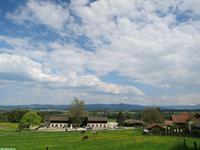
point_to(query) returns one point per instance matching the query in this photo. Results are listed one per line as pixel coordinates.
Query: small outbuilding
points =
(133, 123)
(168, 123)
(156, 128)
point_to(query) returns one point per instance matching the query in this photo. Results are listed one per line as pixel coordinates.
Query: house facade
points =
(61, 122)
(58, 122)
(97, 123)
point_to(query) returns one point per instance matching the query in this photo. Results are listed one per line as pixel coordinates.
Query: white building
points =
(58, 122)
(96, 123)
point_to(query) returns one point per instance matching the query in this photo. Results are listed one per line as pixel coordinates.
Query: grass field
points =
(8, 126)
(104, 140)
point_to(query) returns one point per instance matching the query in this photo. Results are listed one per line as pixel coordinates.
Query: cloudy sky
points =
(106, 51)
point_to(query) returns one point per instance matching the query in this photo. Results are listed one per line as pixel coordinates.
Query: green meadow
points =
(103, 140)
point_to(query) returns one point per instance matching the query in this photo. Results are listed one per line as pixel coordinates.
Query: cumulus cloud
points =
(24, 66)
(93, 81)
(152, 43)
(135, 36)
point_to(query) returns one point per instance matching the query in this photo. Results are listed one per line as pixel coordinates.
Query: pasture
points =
(104, 140)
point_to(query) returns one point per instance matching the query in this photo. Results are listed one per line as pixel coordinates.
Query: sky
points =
(143, 52)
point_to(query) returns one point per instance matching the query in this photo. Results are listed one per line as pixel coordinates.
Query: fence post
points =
(195, 145)
(47, 148)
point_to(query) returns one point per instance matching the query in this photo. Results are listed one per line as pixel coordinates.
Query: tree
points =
(77, 111)
(120, 119)
(31, 118)
(152, 115)
(3, 117)
(77, 108)
(15, 116)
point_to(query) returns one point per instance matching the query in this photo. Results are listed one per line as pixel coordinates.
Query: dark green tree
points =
(77, 112)
(153, 115)
(15, 116)
(3, 117)
(120, 119)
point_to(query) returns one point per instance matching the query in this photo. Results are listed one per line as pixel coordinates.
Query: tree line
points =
(77, 112)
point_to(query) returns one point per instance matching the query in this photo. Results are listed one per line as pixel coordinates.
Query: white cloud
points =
(142, 40)
(139, 38)
(15, 64)
(93, 81)
(45, 12)
(24, 66)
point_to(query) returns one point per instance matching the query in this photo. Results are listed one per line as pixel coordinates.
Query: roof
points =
(167, 123)
(196, 123)
(180, 118)
(186, 113)
(133, 121)
(97, 119)
(58, 118)
(196, 116)
(153, 125)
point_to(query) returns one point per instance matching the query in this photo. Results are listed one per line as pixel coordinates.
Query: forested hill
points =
(99, 107)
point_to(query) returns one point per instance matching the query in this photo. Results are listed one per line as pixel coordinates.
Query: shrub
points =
(29, 119)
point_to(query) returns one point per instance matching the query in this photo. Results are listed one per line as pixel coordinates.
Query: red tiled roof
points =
(180, 118)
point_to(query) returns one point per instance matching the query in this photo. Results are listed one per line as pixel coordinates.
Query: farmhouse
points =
(58, 122)
(61, 122)
(181, 120)
(97, 122)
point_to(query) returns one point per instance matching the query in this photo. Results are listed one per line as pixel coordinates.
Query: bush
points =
(23, 126)
(29, 119)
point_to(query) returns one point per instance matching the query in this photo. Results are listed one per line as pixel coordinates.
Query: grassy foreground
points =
(104, 140)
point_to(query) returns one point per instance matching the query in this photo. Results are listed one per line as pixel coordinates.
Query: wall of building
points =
(58, 125)
(97, 125)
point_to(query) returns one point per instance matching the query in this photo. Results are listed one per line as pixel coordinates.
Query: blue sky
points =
(107, 51)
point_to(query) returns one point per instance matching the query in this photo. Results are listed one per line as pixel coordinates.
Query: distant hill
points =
(99, 107)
